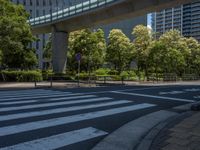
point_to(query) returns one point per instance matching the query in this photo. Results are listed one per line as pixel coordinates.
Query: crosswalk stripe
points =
(25, 91)
(14, 129)
(32, 94)
(156, 97)
(60, 110)
(55, 99)
(36, 97)
(60, 140)
(53, 104)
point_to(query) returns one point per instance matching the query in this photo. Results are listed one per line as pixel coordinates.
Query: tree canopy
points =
(15, 37)
(91, 45)
(119, 50)
(142, 42)
(170, 53)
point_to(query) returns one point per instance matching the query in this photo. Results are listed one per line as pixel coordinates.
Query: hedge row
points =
(20, 76)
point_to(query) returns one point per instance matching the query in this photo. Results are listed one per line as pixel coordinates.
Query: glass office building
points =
(185, 18)
(38, 8)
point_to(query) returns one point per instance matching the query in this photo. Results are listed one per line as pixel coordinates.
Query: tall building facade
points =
(38, 8)
(185, 18)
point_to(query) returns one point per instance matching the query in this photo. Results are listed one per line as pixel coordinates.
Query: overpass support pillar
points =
(59, 49)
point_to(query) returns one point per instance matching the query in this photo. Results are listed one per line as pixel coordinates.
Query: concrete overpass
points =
(89, 14)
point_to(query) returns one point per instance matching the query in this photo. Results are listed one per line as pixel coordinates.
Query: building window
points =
(37, 13)
(44, 2)
(31, 13)
(31, 3)
(37, 2)
(43, 12)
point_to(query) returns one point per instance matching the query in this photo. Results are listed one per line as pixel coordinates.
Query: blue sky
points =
(149, 19)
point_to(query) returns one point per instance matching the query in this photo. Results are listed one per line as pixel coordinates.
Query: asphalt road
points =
(77, 119)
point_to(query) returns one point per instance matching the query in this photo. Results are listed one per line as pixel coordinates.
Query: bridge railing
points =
(69, 11)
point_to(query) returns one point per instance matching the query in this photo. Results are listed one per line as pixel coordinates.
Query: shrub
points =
(102, 72)
(129, 75)
(85, 76)
(22, 76)
(113, 72)
(46, 74)
(116, 78)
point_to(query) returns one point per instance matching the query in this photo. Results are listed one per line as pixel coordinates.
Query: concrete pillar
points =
(59, 49)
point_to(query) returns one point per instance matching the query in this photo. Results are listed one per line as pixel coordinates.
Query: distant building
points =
(185, 18)
(38, 8)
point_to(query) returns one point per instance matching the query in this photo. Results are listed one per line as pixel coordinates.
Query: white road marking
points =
(134, 89)
(37, 97)
(171, 92)
(53, 104)
(60, 110)
(192, 90)
(32, 94)
(10, 93)
(72, 97)
(14, 129)
(21, 91)
(60, 140)
(55, 99)
(197, 97)
(156, 97)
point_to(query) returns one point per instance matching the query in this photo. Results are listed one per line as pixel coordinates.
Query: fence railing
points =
(115, 79)
(69, 11)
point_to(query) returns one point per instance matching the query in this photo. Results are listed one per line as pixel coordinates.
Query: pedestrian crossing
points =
(30, 111)
(52, 99)
(54, 142)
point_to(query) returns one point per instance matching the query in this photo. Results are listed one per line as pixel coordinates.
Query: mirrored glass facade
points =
(185, 18)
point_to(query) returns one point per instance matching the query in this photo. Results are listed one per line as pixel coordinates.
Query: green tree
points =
(119, 50)
(92, 47)
(1, 58)
(176, 52)
(47, 52)
(196, 61)
(15, 36)
(142, 42)
(156, 56)
(192, 59)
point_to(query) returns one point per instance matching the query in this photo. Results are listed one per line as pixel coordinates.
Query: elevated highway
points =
(89, 14)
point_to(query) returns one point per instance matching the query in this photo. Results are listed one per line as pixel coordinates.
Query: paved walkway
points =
(184, 135)
(25, 85)
(30, 85)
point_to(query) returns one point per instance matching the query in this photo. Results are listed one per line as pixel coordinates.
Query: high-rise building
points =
(185, 18)
(38, 8)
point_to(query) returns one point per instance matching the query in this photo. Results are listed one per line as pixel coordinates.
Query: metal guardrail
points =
(70, 11)
(190, 77)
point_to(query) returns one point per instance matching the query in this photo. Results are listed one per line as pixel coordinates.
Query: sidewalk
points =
(67, 84)
(30, 85)
(176, 129)
(184, 135)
